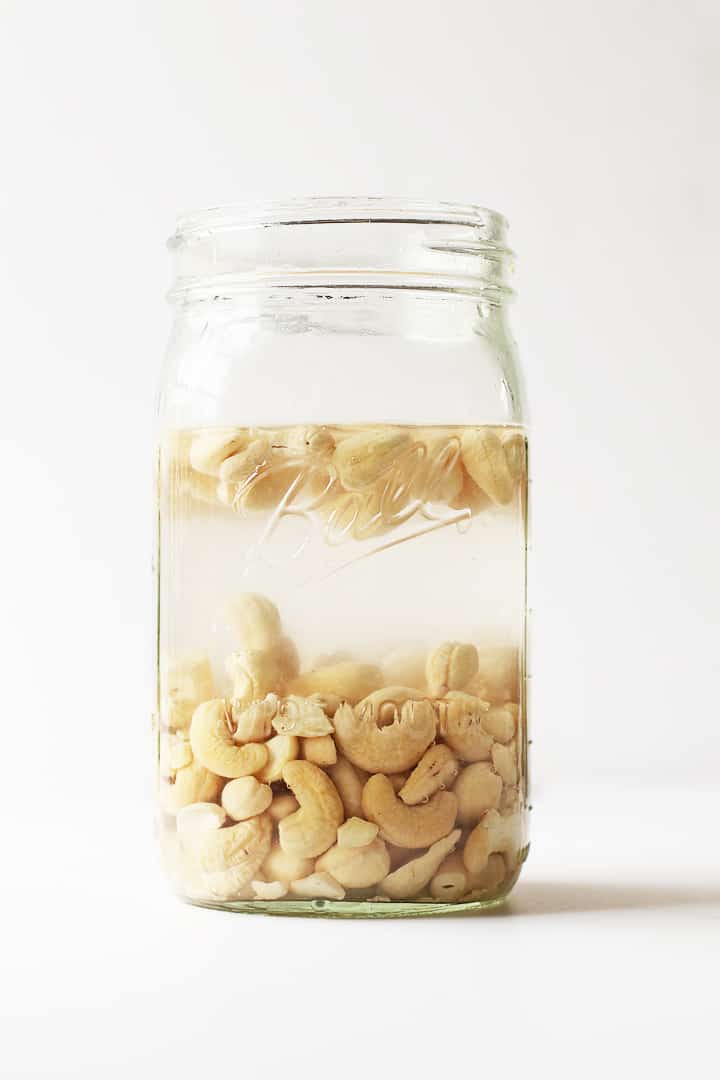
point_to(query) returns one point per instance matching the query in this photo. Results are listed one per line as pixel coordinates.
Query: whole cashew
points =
(348, 680)
(363, 458)
(460, 724)
(435, 771)
(410, 879)
(450, 881)
(499, 722)
(478, 789)
(407, 826)
(356, 867)
(256, 620)
(498, 676)
(191, 784)
(281, 749)
(450, 667)
(349, 783)
(209, 449)
(211, 738)
(390, 749)
(245, 798)
(228, 858)
(484, 457)
(313, 828)
(320, 751)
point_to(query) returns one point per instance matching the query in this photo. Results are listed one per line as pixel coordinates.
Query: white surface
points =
(603, 964)
(593, 128)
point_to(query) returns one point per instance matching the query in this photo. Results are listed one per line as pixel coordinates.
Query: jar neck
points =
(342, 244)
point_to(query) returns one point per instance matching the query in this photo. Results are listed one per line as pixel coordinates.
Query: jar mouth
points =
(341, 241)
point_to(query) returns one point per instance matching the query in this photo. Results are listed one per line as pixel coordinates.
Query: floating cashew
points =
(349, 784)
(269, 890)
(484, 458)
(320, 751)
(498, 676)
(435, 771)
(405, 667)
(199, 817)
(245, 798)
(393, 748)
(477, 789)
(363, 458)
(279, 866)
(515, 447)
(281, 749)
(460, 724)
(499, 722)
(312, 440)
(191, 784)
(450, 881)
(356, 867)
(347, 680)
(407, 826)
(411, 878)
(450, 667)
(356, 832)
(504, 760)
(301, 716)
(313, 828)
(282, 806)
(209, 449)
(256, 620)
(211, 738)
(253, 723)
(188, 682)
(317, 886)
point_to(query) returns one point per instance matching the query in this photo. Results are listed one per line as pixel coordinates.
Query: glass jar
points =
(342, 484)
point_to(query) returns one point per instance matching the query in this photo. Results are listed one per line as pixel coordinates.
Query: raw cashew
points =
(269, 890)
(478, 789)
(179, 751)
(317, 886)
(390, 749)
(301, 716)
(253, 723)
(356, 832)
(435, 771)
(411, 878)
(356, 867)
(279, 866)
(399, 780)
(515, 447)
(281, 749)
(191, 784)
(460, 724)
(211, 738)
(405, 667)
(498, 676)
(363, 458)
(407, 826)
(320, 751)
(255, 673)
(509, 800)
(349, 784)
(450, 667)
(504, 760)
(311, 440)
(499, 721)
(451, 879)
(256, 620)
(313, 828)
(489, 878)
(188, 682)
(282, 806)
(484, 458)
(494, 833)
(239, 849)
(199, 817)
(349, 680)
(209, 449)
(477, 849)
(246, 797)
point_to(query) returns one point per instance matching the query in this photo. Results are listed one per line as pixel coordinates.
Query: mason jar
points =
(342, 524)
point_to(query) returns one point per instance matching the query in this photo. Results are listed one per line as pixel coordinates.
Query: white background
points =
(593, 127)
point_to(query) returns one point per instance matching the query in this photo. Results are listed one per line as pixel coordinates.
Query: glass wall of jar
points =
(342, 486)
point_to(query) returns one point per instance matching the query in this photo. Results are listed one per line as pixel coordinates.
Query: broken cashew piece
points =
(320, 751)
(407, 826)
(411, 878)
(389, 749)
(228, 858)
(211, 738)
(320, 886)
(450, 667)
(356, 867)
(253, 723)
(435, 771)
(245, 798)
(269, 890)
(313, 828)
(356, 832)
(281, 749)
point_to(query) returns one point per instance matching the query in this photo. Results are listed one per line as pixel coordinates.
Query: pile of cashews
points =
(360, 481)
(348, 781)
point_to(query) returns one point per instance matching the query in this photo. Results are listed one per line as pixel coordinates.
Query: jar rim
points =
(324, 210)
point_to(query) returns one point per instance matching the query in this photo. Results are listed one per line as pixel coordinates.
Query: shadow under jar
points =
(342, 485)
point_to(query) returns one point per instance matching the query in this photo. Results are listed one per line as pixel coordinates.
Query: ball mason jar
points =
(342, 504)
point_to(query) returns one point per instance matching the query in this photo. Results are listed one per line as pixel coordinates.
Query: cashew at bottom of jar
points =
(269, 890)
(494, 833)
(320, 886)
(226, 860)
(451, 879)
(356, 832)
(504, 759)
(279, 866)
(356, 867)
(478, 789)
(411, 878)
(490, 877)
